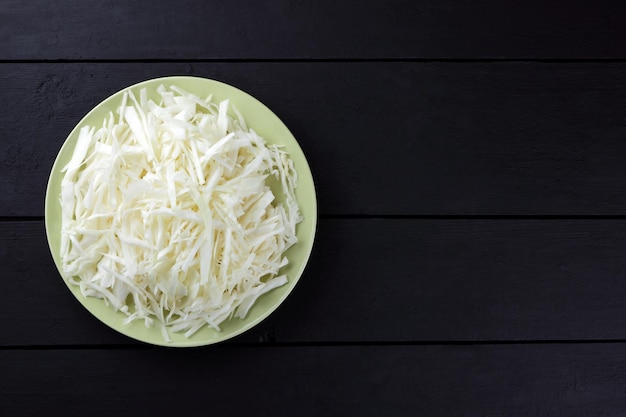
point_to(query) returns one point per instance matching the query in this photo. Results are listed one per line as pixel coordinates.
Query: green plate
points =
(266, 124)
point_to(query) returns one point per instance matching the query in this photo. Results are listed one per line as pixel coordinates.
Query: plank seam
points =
(308, 60)
(8, 219)
(21, 218)
(477, 216)
(328, 344)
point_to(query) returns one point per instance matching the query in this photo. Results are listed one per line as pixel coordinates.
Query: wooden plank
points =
(464, 381)
(114, 29)
(383, 280)
(382, 138)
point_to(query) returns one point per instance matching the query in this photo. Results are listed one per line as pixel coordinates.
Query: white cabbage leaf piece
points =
(167, 214)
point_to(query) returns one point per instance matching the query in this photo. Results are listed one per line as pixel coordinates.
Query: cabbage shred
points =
(167, 215)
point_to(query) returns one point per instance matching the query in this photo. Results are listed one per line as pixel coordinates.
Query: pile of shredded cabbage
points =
(167, 215)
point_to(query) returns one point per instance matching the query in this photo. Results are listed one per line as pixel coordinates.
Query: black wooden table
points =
(470, 163)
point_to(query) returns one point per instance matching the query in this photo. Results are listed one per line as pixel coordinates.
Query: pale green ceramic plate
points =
(266, 124)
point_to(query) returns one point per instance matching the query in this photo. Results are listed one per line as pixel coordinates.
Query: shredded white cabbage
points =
(167, 215)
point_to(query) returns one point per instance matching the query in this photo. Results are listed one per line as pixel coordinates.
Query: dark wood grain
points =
(469, 163)
(383, 280)
(464, 381)
(293, 29)
(382, 138)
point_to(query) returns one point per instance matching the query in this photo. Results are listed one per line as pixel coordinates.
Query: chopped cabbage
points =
(167, 216)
